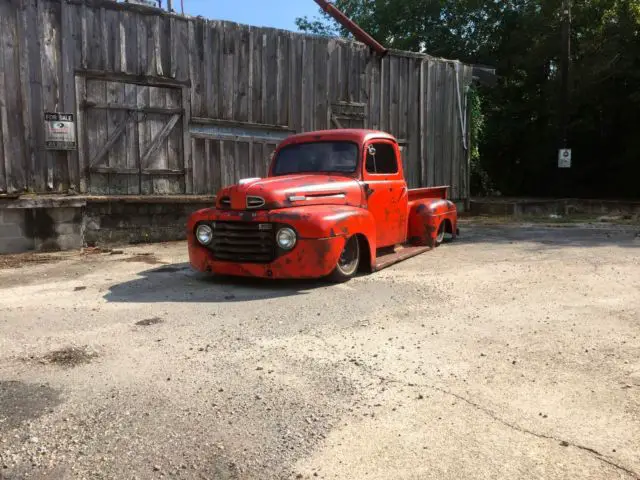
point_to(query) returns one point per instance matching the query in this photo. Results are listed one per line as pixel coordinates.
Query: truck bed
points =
(437, 193)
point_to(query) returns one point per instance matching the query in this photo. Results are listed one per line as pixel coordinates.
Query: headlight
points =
(286, 238)
(204, 234)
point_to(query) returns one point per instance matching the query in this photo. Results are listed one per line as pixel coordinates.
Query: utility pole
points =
(564, 72)
(564, 151)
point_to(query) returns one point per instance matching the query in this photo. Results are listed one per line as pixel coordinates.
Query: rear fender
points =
(425, 216)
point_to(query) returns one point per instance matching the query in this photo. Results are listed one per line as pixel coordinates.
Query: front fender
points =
(312, 222)
(327, 221)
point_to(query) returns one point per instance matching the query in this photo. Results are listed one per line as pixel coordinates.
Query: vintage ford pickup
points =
(334, 202)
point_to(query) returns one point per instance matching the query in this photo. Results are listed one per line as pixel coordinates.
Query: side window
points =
(381, 158)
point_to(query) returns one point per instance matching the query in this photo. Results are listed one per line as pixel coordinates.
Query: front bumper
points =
(310, 258)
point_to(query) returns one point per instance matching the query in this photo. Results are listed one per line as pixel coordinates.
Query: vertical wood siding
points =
(195, 104)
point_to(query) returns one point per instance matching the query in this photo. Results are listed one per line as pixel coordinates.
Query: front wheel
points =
(348, 262)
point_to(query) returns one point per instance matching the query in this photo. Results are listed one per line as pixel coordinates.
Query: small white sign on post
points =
(564, 158)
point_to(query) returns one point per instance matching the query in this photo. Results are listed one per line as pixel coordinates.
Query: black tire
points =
(348, 262)
(442, 229)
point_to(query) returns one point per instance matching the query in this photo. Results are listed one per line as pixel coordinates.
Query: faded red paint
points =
(320, 190)
(388, 199)
(378, 208)
(426, 216)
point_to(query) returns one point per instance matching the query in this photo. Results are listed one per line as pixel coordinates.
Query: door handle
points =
(368, 190)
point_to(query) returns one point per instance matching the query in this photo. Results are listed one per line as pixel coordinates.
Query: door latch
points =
(368, 191)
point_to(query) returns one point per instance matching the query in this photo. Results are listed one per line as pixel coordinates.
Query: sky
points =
(261, 13)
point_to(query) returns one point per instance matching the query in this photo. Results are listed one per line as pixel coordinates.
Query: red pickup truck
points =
(334, 202)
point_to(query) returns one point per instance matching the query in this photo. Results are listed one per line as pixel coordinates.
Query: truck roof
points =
(358, 135)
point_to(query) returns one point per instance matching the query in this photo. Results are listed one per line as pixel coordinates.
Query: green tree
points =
(522, 40)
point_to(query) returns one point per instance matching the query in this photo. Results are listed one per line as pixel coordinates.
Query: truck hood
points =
(291, 191)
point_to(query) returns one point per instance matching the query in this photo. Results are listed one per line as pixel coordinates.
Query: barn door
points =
(133, 138)
(347, 115)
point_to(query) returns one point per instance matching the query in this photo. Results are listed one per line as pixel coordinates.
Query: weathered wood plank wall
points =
(172, 104)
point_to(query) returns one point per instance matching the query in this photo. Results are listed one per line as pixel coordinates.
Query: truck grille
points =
(243, 242)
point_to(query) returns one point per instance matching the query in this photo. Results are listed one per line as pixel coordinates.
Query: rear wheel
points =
(348, 262)
(441, 231)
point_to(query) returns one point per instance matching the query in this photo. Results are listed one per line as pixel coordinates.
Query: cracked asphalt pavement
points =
(511, 353)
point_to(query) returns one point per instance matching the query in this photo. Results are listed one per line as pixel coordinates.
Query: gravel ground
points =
(511, 353)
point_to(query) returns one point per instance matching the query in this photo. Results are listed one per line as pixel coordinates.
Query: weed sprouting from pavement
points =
(70, 357)
(149, 321)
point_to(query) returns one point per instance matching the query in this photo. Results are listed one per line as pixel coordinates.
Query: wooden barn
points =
(107, 102)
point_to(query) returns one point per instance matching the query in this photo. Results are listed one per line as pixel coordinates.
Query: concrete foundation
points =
(564, 207)
(49, 223)
(65, 223)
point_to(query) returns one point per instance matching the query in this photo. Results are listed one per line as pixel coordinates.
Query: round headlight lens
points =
(204, 234)
(286, 238)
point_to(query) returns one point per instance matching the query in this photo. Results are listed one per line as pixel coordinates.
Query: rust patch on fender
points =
(292, 216)
(322, 249)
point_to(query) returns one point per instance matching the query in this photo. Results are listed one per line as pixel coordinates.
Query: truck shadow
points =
(179, 283)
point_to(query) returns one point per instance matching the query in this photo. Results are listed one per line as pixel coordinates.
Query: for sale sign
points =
(59, 131)
(564, 158)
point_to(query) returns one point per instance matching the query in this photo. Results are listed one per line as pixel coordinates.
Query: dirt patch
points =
(149, 321)
(21, 402)
(21, 259)
(148, 258)
(70, 357)
(101, 250)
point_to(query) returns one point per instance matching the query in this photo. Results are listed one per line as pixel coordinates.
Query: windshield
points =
(333, 157)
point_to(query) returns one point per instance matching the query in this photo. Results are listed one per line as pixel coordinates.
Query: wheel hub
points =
(349, 255)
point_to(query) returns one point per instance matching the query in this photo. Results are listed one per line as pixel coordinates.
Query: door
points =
(386, 192)
(348, 114)
(133, 138)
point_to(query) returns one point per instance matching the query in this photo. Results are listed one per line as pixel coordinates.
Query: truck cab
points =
(334, 202)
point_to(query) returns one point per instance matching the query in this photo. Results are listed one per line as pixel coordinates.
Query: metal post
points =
(169, 6)
(563, 178)
(564, 72)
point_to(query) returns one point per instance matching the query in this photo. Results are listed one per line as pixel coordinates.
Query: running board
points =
(398, 255)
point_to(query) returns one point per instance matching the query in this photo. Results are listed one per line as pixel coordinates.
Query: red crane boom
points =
(353, 27)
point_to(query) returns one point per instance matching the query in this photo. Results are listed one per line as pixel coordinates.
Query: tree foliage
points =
(522, 40)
